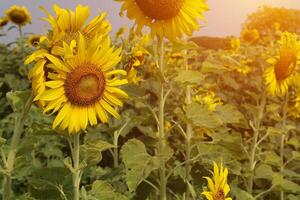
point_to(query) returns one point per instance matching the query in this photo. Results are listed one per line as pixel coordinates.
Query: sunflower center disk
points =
(219, 195)
(160, 9)
(85, 85)
(18, 17)
(286, 64)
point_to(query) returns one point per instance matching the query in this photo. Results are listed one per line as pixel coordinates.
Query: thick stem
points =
(116, 150)
(255, 142)
(9, 164)
(188, 135)
(282, 143)
(161, 120)
(76, 169)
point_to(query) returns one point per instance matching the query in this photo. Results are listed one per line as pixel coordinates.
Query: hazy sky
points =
(224, 18)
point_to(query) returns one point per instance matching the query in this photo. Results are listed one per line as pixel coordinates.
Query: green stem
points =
(255, 142)
(161, 120)
(9, 163)
(76, 170)
(116, 150)
(282, 143)
(189, 135)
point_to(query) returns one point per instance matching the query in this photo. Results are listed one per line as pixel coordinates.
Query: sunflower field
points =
(149, 112)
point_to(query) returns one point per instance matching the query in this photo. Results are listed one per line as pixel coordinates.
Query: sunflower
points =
(18, 15)
(34, 40)
(82, 88)
(166, 18)
(235, 44)
(209, 100)
(218, 184)
(250, 36)
(3, 21)
(66, 26)
(283, 68)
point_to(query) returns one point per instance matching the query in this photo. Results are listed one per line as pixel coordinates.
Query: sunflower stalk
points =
(10, 161)
(189, 134)
(76, 171)
(256, 141)
(282, 143)
(117, 134)
(161, 122)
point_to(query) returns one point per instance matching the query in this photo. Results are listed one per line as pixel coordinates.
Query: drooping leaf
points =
(202, 117)
(139, 164)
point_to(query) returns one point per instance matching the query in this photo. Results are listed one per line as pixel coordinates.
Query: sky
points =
(224, 18)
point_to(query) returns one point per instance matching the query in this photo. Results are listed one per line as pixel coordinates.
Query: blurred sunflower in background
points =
(3, 21)
(208, 100)
(34, 40)
(235, 44)
(217, 185)
(283, 70)
(166, 18)
(66, 26)
(250, 36)
(18, 15)
(82, 87)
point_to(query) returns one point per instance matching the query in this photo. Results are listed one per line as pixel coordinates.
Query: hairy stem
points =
(283, 139)
(161, 122)
(189, 135)
(256, 141)
(76, 169)
(9, 163)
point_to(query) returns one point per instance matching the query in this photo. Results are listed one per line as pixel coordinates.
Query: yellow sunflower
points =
(208, 100)
(18, 15)
(34, 40)
(218, 187)
(66, 26)
(283, 68)
(166, 18)
(250, 36)
(235, 44)
(3, 21)
(82, 87)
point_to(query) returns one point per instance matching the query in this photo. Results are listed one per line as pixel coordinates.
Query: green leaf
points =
(139, 164)
(189, 77)
(264, 171)
(91, 151)
(229, 114)
(208, 67)
(104, 191)
(241, 194)
(17, 99)
(201, 116)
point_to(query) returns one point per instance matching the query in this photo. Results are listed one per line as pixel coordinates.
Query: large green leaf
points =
(201, 116)
(139, 164)
(229, 114)
(189, 77)
(91, 151)
(104, 191)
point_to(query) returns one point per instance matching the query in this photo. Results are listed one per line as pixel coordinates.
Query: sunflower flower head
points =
(208, 100)
(217, 185)
(82, 89)
(283, 68)
(166, 18)
(34, 40)
(3, 21)
(235, 44)
(18, 15)
(66, 27)
(250, 36)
